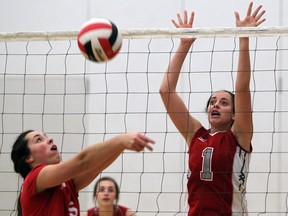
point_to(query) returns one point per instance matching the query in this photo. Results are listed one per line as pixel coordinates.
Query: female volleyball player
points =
(51, 187)
(106, 195)
(218, 156)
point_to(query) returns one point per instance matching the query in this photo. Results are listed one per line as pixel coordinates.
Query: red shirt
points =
(219, 169)
(61, 200)
(119, 211)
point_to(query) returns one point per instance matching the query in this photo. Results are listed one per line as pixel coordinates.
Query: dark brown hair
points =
(19, 154)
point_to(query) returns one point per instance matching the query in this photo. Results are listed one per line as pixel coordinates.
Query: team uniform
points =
(61, 200)
(219, 169)
(118, 210)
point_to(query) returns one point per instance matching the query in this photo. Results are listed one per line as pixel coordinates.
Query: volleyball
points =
(99, 40)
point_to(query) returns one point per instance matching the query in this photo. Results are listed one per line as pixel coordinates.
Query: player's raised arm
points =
(243, 126)
(177, 110)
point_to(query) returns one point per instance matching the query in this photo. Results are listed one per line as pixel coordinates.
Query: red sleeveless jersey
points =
(61, 200)
(119, 211)
(218, 174)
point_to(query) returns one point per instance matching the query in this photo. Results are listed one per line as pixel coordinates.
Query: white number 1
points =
(206, 174)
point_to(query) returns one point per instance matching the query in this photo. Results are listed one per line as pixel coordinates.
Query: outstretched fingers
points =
(146, 142)
(141, 141)
(256, 11)
(258, 18)
(249, 9)
(252, 19)
(237, 16)
(180, 21)
(185, 16)
(191, 20)
(185, 22)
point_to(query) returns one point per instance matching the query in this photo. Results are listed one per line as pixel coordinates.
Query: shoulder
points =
(38, 168)
(202, 131)
(31, 177)
(248, 148)
(122, 208)
(90, 211)
(232, 138)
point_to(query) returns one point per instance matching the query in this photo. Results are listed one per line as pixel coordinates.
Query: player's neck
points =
(214, 129)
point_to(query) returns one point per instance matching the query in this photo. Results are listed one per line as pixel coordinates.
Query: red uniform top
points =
(61, 200)
(119, 211)
(219, 168)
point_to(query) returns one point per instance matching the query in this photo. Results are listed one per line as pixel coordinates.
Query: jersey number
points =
(206, 174)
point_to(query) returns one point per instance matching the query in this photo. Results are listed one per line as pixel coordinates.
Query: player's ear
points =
(233, 116)
(29, 159)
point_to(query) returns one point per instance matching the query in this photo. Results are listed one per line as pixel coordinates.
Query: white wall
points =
(70, 14)
(140, 172)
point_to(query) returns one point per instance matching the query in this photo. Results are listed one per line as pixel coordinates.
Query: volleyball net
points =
(47, 85)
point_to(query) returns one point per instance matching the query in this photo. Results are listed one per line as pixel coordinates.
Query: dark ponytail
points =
(19, 207)
(19, 153)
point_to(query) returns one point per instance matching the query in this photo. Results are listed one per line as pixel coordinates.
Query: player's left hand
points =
(251, 20)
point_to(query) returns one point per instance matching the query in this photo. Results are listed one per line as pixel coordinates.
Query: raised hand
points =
(185, 23)
(251, 20)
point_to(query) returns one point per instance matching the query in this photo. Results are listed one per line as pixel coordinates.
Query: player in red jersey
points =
(106, 195)
(50, 186)
(218, 156)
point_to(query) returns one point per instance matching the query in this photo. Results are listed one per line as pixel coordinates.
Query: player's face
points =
(106, 193)
(43, 149)
(220, 109)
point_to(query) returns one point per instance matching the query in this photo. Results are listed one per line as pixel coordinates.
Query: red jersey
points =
(119, 211)
(61, 200)
(219, 169)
